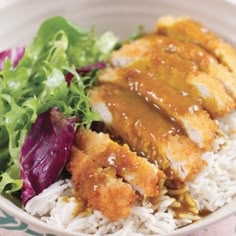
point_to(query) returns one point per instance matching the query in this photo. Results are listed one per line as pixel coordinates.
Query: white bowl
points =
(20, 20)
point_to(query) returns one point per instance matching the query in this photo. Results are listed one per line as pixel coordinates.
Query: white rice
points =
(219, 176)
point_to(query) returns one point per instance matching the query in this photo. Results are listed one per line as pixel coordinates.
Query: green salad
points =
(43, 96)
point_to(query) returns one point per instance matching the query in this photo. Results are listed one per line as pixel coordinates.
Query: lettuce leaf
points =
(38, 83)
(82, 48)
(85, 70)
(45, 151)
(14, 55)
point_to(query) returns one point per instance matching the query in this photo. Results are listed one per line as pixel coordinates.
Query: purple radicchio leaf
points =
(45, 152)
(85, 70)
(14, 55)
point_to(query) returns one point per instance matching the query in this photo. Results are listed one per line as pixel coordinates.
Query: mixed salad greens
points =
(43, 99)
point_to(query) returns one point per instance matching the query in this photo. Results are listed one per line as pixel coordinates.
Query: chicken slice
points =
(100, 187)
(180, 107)
(142, 126)
(141, 174)
(205, 62)
(181, 74)
(187, 30)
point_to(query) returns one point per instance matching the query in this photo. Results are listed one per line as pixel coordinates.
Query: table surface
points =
(226, 227)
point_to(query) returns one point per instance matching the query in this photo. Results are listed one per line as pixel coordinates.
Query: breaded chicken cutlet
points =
(179, 73)
(140, 125)
(204, 61)
(141, 174)
(180, 107)
(99, 187)
(99, 167)
(188, 30)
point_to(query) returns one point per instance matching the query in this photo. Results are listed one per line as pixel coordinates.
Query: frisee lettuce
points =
(38, 83)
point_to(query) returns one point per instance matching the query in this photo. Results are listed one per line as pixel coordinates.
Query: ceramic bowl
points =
(20, 19)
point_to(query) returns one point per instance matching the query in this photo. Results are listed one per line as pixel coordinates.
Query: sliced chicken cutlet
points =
(205, 62)
(182, 74)
(191, 117)
(140, 125)
(188, 30)
(141, 174)
(100, 187)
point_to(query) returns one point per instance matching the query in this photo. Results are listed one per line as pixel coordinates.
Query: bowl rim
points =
(214, 217)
